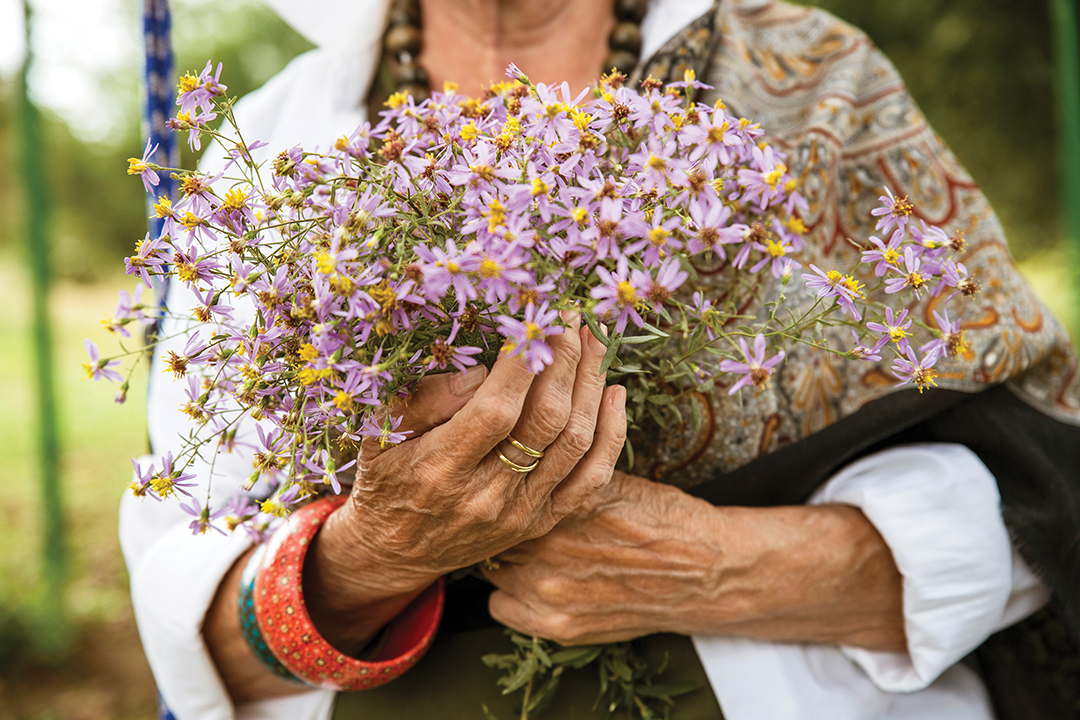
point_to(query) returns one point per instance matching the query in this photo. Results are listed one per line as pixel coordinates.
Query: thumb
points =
(437, 398)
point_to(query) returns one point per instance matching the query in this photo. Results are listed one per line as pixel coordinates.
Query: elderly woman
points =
(830, 547)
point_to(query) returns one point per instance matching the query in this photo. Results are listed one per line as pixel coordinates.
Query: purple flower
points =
(909, 370)
(949, 343)
(167, 482)
(894, 328)
(203, 517)
(98, 368)
(756, 370)
(870, 353)
(444, 354)
(911, 276)
(896, 212)
(668, 279)
(623, 290)
(386, 431)
(526, 338)
(142, 168)
(885, 256)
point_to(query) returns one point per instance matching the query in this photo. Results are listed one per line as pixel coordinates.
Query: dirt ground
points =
(106, 678)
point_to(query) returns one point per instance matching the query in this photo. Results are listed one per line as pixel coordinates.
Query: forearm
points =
(818, 574)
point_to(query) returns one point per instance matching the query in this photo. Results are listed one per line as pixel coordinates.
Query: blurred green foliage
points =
(981, 70)
(97, 211)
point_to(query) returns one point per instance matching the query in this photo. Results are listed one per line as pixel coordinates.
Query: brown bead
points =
(631, 10)
(403, 39)
(419, 92)
(626, 36)
(622, 61)
(411, 74)
(406, 12)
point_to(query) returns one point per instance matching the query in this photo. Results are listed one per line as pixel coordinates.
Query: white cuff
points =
(938, 508)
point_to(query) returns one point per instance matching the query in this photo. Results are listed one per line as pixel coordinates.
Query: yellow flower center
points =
(775, 249)
(626, 293)
(489, 268)
(533, 331)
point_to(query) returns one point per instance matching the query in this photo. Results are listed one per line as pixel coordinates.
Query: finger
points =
(437, 398)
(577, 437)
(512, 612)
(487, 418)
(547, 406)
(595, 470)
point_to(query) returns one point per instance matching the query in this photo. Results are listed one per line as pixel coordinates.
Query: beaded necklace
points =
(403, 40)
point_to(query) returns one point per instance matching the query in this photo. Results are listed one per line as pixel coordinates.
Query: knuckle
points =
(497, 414)
(562, 628)
(578, 438)
(549, 417)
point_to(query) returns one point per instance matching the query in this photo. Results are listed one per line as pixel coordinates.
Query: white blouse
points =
(937, 506)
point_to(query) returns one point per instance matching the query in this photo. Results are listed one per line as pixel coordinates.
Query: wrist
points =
(349, 590)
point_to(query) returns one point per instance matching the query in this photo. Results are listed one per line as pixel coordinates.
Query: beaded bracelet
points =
(283, 618)
(249, 626)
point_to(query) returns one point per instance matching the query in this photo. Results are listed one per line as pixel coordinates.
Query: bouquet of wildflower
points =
(328, 284)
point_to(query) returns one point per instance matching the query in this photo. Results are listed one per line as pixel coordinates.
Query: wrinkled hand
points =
(444, 500)
(639, 558)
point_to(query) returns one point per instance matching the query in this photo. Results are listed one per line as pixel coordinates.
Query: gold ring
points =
(514, 466)
(527, 450)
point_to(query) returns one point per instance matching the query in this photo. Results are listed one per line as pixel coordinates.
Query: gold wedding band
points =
(514, 466)
(527, 450)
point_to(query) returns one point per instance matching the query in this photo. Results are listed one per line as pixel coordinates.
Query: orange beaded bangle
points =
(291, 636)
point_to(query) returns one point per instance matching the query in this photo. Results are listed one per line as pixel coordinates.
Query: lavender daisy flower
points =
(167, 482)
(885, 256)
(950, 343)
(668, 279)
(98, 368)
(444, 354)
(870, 353)
(526, 338)
(756, 370)
(911, 277)
(203, 517)
(622, 290)
(142, 168)
(895, 213)
(909, 370)
(894, 328)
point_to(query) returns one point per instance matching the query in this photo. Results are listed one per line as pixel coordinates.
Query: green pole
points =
(53, 628)
(1067, 89)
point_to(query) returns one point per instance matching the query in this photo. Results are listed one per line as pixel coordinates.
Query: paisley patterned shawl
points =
(829, 99)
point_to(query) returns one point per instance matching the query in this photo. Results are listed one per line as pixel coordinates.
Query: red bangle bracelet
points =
(291, 636)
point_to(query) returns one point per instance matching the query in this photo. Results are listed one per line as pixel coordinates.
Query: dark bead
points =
(631, 10)
(401, 16)
(411, 74)
(626, 36)
(622, 61)
(403, 39)
(419, 92)
(404, 12)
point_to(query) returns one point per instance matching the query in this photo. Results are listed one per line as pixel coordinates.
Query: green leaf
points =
(639, 339)
(542, 697)
(668, 690)
(520, 677)
(502, 662)
(612, 351)
(487, 713)
(655, 331)
(594, 326)
(541, 654)
(577, 657)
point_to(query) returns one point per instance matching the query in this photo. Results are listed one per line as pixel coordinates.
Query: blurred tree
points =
(981, 71)
(98, 210)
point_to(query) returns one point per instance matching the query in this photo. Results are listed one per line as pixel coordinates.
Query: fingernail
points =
(594, 342)
(618, 397)
(466, 383)
(571, 317)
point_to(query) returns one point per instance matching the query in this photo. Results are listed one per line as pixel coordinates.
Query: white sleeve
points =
(937, 507)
